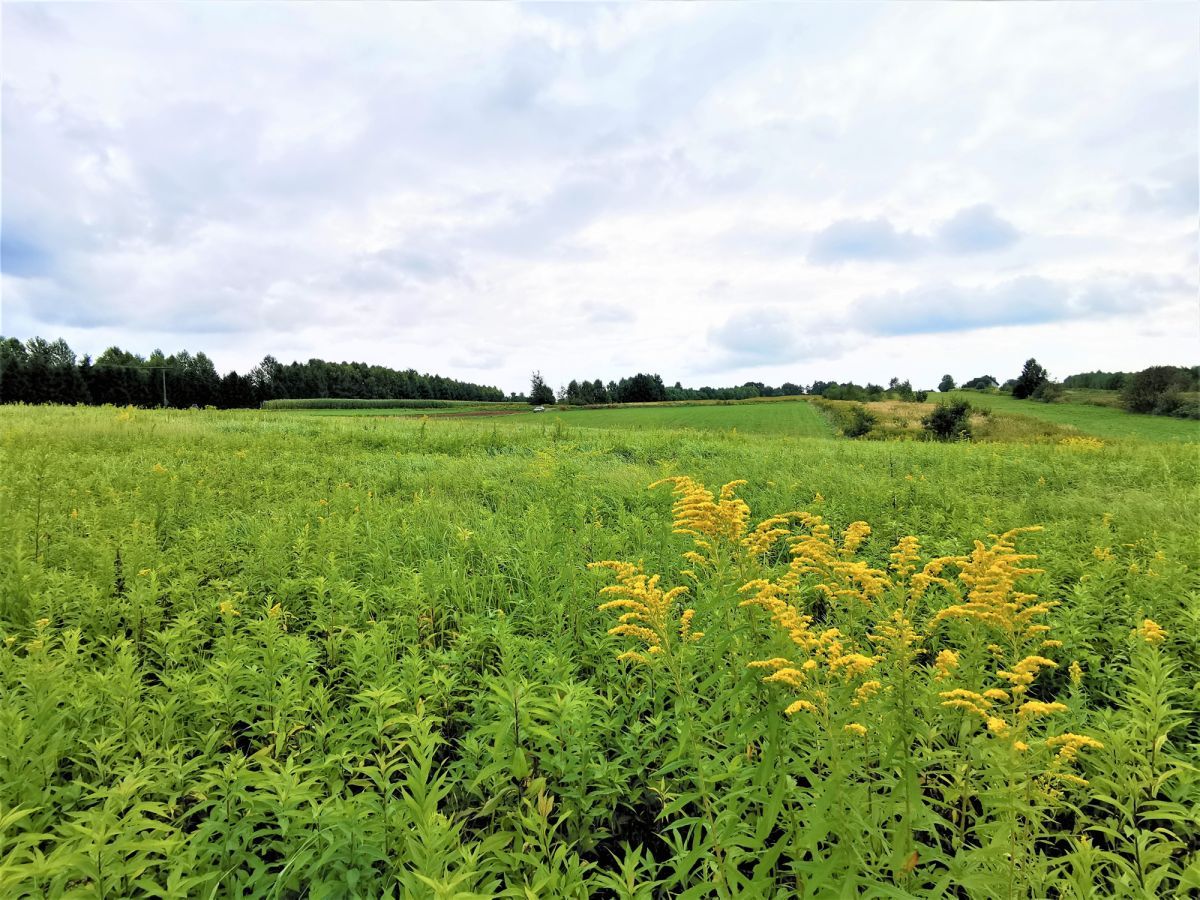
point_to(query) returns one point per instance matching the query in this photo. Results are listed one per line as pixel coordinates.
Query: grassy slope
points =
(1104, 422)
(795, 418)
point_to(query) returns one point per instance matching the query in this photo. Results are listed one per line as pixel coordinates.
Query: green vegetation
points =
(796, 418)
(1105, 422)
(271, 654)
(355, 404)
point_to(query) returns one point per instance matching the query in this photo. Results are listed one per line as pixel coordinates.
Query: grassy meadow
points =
(1091, 412)
(795, 418)
(276, 654)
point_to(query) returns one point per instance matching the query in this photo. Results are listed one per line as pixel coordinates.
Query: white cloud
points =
(561, 188)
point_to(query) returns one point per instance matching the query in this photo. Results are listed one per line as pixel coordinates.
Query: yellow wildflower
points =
(699, 514)
(855, 728)
(798, 706)
(685, 627)
(970, 701)
(991, 574)
(945, 663)
(228, 609)
(647, 609)
(1104, 554)
(1069, 745)
(1151, 632)
(853, 537)
(1076, 672)
(904, 556)
(866, 691)
(42, 623)
(1038, 708)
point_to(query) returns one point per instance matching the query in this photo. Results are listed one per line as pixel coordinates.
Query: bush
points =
(1048, 392)
(949, 421)
(1156, 389)
(859, 422)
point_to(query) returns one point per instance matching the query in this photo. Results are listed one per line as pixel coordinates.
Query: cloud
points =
(607, 313)
(973, 229)
(391, 182)
(22, 258)
(766, 336)
(1171, 189)
(976, 229)
(1029, 300)
(863, 239)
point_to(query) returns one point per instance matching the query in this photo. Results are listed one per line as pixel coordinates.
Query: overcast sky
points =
(717, 193)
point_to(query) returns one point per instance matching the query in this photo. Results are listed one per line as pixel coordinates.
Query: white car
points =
(539, 409)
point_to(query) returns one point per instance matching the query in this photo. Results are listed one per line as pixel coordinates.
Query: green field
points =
(1089, 418)
(463, 410)
(279, 655)
(795, 418)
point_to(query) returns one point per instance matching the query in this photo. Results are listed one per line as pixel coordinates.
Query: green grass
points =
(455, 410)
(248, 654)
(1101, 421)
(794, 418)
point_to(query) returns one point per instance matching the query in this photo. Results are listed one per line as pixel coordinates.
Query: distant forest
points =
(42, 371)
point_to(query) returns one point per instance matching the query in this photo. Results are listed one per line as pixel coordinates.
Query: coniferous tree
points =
(1031, 378)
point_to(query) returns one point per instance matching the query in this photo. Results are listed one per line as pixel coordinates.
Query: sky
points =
(716, 193)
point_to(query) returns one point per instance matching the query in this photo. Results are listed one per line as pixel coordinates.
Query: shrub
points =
(859, 422)
(1156, 389)
(1048, 392)
(949, 421)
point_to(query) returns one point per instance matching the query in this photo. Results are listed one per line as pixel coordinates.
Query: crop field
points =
(282, 655)
(1089, 417)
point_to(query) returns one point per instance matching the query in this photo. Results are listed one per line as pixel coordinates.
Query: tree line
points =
(42, 371)
(1159, 390)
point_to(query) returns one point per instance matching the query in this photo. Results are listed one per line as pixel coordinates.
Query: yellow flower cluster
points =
(721, 523)
(705, 518)
(991, 575)
(828, 670)
(945, 664)
(830, 657)
(1151, 632)
(1078, 442)
(648, 611)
